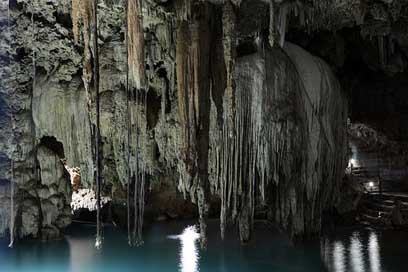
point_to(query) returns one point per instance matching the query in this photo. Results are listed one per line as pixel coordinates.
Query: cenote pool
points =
(174, 247)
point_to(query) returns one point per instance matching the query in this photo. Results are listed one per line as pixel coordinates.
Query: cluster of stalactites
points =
(230, 44)
(276, 159)
(279, 17)
(82, 14)
(193, 86)
(137, 109)
(137, 168)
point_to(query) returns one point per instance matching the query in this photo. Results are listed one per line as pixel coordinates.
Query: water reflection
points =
(81, 253)
(374, 252)
(341, 256)
(356, 253)
(189, 254)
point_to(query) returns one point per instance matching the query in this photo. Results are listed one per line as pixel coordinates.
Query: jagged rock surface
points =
(296, 182)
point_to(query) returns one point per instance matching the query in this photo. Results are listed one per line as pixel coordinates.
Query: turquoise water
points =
(174, 247)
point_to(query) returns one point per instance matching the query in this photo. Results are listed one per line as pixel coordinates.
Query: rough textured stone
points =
(42, 95)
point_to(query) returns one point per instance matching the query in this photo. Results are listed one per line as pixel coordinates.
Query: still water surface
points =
(174, 247)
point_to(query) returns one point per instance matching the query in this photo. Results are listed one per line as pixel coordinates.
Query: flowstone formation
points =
(203, 96)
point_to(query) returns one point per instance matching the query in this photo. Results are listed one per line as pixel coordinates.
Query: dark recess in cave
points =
(63, 19)
(162, 73)
(51, 143)
(377, 92)
(153, 109)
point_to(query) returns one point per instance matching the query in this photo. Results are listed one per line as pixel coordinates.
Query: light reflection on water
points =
(342, 251)
(360, 253)
(356, 253)
(374, 252)
(189, 253)
(339, 257)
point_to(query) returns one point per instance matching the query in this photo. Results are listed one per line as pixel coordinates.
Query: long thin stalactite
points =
(98, 242)
(11, 225)
(129, 176)
(136, 106)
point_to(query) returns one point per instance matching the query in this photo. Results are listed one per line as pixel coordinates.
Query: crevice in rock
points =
(162, 73)
(53, 144)
(153, 109)
(63, 19)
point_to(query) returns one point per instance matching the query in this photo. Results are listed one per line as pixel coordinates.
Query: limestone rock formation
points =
(284, 146)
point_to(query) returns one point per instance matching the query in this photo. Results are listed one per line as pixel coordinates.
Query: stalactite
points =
(135, 83)
(129, 127)
(82, 12)
(282, 25)
(193, 82)
(85, 12)
(33, 86)
(11, 224)
(98, 242)
(183, 70)
(136, 56)
(230, 43)
(276, 124)
(138, 170)
(271, 37)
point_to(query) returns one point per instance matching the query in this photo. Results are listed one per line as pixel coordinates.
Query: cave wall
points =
(44, 96)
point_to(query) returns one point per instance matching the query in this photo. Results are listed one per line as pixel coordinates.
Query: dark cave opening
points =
(376, 90)
(53, 144)
(153, 108)
(162, 73)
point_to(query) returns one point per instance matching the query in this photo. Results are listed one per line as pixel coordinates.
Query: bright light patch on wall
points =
(352, 162)
(86, 199)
